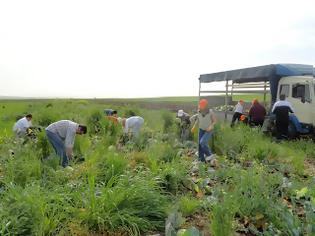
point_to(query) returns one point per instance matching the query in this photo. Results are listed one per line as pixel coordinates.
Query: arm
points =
(274, 107)
(126, 128)
(69, 152)
(213, 122)
(291, 108)
(69, 142)
(194, 120)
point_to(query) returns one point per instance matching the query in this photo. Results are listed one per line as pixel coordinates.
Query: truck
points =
(295, 81)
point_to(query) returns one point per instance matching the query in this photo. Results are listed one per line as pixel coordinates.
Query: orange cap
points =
(203, 103)
(243, 117)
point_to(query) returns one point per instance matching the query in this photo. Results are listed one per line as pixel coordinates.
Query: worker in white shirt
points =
(61, 135)
(132, 125)
(238, 112)
(21, 126)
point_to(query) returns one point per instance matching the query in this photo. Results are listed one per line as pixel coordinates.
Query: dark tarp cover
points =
(271, 73)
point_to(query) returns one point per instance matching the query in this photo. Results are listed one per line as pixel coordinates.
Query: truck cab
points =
(300, 92)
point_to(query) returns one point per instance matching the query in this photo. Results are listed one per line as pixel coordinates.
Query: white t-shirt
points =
(133, 123)
(238, 108)
(21, 125)
(66, 130)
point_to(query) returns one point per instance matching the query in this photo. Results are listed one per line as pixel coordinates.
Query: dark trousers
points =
(236, 116)
(282, 129)
(256, 123)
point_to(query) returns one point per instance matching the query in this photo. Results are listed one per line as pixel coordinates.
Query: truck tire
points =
(292, 132)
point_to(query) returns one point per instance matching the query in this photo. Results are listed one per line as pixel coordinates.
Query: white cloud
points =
(143, 48)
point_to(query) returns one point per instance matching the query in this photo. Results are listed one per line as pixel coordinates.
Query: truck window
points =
(284, 89)
(301, 91)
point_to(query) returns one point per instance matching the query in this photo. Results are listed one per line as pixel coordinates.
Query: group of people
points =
(205, 120)
(61, 134)
(257, 113)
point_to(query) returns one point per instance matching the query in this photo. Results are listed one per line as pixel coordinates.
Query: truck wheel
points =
(292, 132)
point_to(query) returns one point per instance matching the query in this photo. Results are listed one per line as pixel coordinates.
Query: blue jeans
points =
(58, 146)
(204, 149)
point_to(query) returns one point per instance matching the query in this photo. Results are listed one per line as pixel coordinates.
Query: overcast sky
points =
(144, 48)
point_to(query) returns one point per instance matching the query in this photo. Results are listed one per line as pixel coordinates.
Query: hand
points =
(193, 130)
(210, 128)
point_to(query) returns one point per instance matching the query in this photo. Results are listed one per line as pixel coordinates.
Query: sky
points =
(144, 48)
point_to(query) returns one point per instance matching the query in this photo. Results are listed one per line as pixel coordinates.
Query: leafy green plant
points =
(189, 205)
(221, 218)
(168, 121)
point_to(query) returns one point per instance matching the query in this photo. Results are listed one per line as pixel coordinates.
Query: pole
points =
(226, 98)
(197, 113)
(265, 90)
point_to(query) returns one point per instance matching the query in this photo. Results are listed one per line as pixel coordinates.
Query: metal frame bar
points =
(234, 91)
(238, 88)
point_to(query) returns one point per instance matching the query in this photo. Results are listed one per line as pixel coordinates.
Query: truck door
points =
(301, 101)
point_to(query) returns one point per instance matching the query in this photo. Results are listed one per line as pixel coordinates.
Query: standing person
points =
(238, 112)
(205, 121)
(281, 109)
(184, 125)
(21, 126)
(132, 125)
(257, 113)
(61, 135)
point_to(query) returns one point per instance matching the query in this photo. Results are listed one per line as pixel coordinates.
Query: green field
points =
(153, 184)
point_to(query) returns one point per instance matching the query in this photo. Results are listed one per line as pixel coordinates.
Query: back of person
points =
(282, 109)
(257, 112)
(133, 120)
(63, 128)
(282, 113)
(22, 124)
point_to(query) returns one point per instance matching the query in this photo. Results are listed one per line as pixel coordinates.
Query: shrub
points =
(133, 204)
(168, 121)
(189, 205)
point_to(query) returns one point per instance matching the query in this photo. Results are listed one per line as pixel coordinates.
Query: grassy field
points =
(151, 185)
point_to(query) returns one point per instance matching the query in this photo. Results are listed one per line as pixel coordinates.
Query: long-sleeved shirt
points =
(238, 108)
(21, 125)
(66, 130)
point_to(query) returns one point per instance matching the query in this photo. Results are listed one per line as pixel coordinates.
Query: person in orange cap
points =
(238, 112)
(205, 120)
